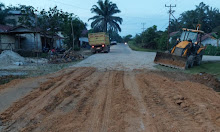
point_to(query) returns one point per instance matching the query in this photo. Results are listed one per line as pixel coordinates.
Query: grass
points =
(6, 79)
(138, 48)
(212, 68)
(207, 67)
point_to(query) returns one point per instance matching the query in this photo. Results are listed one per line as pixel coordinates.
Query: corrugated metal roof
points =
(5, 28)
(15, 12)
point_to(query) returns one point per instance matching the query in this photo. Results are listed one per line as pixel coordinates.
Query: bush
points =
(212, 50)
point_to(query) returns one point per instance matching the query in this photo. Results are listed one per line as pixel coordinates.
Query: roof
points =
(173, 33)
(5, 28)
(209, 35)
(13, 12)
(192, 30)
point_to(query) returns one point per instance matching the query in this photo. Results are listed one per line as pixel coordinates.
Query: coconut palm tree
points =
(104, 19)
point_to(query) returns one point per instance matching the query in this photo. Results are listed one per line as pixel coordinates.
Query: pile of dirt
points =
(68, 56)
(8, 57)
(208, 80)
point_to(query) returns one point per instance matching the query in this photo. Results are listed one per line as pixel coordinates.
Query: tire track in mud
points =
(48, 99)
(143, 121)
(123, 105)
(76, 118)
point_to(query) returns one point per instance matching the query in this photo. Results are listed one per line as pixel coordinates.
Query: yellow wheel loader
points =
(187, 51)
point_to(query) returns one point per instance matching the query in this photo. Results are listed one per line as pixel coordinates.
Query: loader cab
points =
(190, 35)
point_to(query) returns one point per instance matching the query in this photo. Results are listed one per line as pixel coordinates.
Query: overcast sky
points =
(133, 12)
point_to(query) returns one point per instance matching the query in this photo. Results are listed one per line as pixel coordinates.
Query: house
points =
(23, 38)
(171, 35)
(84, 42)
(209, 39)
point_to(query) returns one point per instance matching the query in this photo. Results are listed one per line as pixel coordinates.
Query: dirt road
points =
(121, 57)
(111, 94)
(85, 99)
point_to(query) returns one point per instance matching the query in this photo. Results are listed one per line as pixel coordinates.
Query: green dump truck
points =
(99, 42)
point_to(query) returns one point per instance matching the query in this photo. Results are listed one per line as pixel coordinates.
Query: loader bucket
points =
(170, 60)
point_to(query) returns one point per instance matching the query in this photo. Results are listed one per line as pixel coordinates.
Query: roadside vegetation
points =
(105, 19)
(212, 68)
(206, 67)
(154, 39)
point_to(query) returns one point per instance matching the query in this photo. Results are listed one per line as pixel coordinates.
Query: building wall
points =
(210, 41)
(58, 43)
(31, 42)
(7, 41)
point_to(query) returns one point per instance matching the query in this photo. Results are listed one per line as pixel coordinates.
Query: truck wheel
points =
(109, 49)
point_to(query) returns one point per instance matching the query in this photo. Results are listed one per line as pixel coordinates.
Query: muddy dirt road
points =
(89, 100)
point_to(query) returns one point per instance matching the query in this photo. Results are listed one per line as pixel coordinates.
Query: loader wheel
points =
(190, 62)
(198, 59)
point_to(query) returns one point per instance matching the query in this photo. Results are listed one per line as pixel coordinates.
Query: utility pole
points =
(143, 30)
(36, 38)
(170, 13)
(143, 26)
(72, 33)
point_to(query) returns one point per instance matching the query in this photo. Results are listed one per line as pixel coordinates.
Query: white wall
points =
(210, 41)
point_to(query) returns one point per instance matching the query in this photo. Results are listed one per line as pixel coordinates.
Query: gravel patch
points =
(121, 57)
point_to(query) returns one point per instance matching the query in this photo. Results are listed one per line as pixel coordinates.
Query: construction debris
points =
(68, 56)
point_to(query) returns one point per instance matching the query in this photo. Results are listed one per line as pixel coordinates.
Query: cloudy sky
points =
(133, 12)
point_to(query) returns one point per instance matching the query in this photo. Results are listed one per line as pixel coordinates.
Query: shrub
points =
(212, 50)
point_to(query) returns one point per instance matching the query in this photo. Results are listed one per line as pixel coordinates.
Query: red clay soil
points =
(84, 99)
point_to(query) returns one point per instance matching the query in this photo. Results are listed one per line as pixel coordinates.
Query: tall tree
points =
(104, 19)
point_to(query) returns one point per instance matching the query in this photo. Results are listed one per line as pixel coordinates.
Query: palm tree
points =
(104, 19)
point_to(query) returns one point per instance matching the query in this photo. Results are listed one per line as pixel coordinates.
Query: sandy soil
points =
(85, 99)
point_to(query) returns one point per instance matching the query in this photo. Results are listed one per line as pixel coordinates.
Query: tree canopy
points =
(203, 14)
(104, 20)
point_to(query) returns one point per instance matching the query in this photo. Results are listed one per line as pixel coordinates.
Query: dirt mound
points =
(84, 99)
(209, 80)
(8, 57)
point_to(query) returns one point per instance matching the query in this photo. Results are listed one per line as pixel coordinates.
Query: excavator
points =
(187, 52)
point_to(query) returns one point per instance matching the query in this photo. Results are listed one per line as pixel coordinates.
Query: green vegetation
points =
(152, 39)
(207, 16)
(135, 47)
(104, 20)
(212, 50)
(207, 67)
(7, 79)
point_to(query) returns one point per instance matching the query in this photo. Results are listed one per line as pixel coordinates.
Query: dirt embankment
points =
(84, 99)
